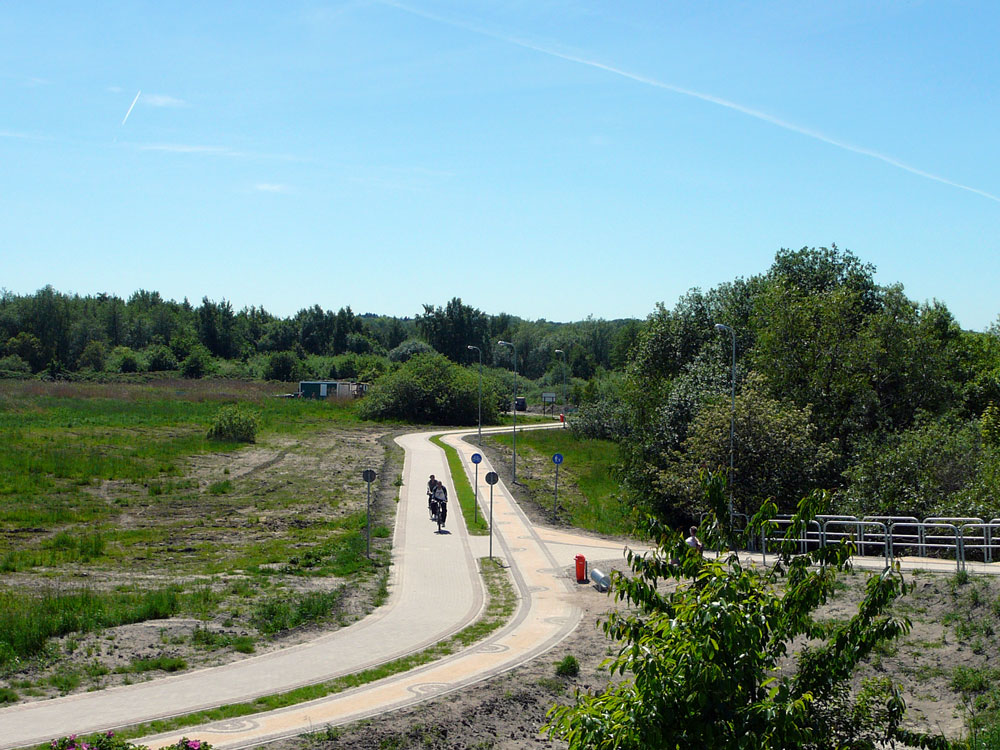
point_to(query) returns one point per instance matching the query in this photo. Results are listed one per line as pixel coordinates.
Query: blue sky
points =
(548, 159)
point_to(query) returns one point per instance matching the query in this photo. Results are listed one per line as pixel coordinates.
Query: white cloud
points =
(162, 100)
(272, 187)
(185, 148)
(705, 97)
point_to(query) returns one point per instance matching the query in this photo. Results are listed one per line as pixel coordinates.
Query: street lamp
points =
(514, 442)
(560, 351)
(732, 418)
(470, 346)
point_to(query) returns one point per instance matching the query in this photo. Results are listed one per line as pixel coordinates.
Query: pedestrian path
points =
(435, 591)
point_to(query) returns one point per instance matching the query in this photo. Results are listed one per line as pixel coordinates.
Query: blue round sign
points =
(476, 458)
(557, 458)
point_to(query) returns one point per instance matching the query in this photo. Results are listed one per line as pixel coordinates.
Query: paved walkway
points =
(435, 591)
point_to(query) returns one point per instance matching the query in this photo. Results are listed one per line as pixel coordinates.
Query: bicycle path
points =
(435, 591)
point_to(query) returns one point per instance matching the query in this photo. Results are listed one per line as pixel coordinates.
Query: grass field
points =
(588, 494)
(115, 508)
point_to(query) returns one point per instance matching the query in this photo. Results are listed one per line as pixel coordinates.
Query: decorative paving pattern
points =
(428, 688)
(234, 725)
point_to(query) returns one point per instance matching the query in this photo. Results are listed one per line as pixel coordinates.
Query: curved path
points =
(435, 591)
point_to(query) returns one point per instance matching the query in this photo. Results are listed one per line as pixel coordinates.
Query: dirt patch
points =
(234, 531)
(508, 712)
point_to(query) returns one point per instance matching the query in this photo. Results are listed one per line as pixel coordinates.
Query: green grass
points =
(27, 622)
(158, 663)
(58, 439)
(474, 520)
(501, 606)
(588, 494)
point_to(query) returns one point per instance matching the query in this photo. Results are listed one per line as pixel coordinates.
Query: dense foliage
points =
(148, 333)
(429, 388)
(701, 661)
(235, 423)
(841, 384)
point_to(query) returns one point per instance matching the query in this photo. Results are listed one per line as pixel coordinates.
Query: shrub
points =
(14, 365)
(284, 367)
(111, 741)
(568, 667)
(409, 349)
(123, 359)
(197, 364)
(235, 423)
(93, 356)
(161, 358)
(430, 388)
(27, 346)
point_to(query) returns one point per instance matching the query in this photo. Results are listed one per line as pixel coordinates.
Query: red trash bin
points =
(581, 569)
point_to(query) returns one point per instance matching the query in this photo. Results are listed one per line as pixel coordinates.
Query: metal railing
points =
(891, 536)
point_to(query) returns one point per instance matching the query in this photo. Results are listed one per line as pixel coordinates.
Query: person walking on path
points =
(693, 541)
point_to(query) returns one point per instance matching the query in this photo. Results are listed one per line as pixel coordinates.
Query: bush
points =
(14, 365)
(430, 388)
(93, 356)
(197, 364)
(160, 359)
(123, 359)
(235, 423)
(111, 741)
(409, 349)
(284, 367)
(568, 667)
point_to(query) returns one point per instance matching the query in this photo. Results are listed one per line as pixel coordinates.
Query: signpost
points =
(369, 476)
(549, 401)
(556, 459)
(476, 459)
(491, 479)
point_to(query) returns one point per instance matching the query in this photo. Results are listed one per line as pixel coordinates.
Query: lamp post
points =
(470, 346)
(732, 417)
(514, 441)
(560, 351)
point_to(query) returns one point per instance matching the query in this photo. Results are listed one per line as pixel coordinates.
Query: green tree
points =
(701, 661)
(198, 363)
(450, 330)
(160, 358)
(430, 388)
(284, 367)
(27, 346)
(93, 356)
(777, 454)
(408, 349)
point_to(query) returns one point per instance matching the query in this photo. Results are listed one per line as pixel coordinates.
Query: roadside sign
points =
(557, 459)
(368, 475)
(476, 458)
(492, 478)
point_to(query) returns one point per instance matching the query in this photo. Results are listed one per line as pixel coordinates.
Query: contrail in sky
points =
(756, 114)
(137, 93)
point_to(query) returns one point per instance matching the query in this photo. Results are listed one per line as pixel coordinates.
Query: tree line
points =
(69, 333)
(841, 383)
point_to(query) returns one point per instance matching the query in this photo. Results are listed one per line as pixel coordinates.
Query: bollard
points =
(601, 580)
(581, 569)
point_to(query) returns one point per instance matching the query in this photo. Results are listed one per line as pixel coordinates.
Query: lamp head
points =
(559, 351)
(721, 327)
